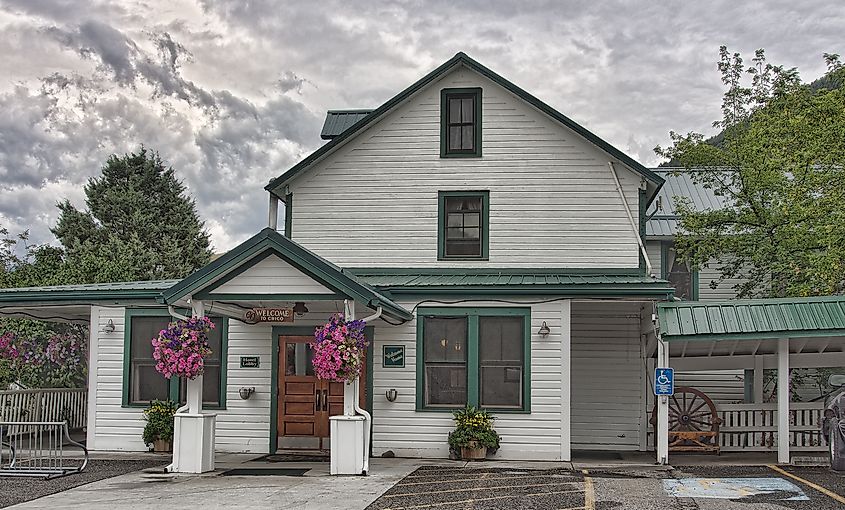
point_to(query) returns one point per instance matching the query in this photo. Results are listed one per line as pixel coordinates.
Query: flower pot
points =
(161, 446)
(473, 453)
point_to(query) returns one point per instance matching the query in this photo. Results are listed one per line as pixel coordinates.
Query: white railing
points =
(47, 404)
(753, 427)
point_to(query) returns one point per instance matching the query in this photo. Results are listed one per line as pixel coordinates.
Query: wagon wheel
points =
(691, 413)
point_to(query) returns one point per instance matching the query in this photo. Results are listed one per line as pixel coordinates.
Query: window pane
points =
(144, 329)
(467, 138)
(454, 111)
(470, 248)
(298, 359)
(445, 339)
(454, 233)
(454, 138)
(445, 385)
(145, 383)
(467, 110)
(454, 220)
(472, 233)
(501, 356)
(211, 384)
(472, 220)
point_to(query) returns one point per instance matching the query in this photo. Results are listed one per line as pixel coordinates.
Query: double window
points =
(460, 123)
(143, 384)
(463, 225)
(477, 356)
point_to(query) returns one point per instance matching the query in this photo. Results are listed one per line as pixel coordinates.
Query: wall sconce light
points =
(544, 330)
(391, 395)
(300, 309)
(245, 393)
(109, 327)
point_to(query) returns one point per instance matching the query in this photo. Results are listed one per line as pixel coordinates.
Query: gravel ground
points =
(18, 490)
(487, 488)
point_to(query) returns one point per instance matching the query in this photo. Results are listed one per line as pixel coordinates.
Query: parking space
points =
(487, 488)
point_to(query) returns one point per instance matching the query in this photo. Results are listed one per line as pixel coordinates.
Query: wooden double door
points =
(305, 402)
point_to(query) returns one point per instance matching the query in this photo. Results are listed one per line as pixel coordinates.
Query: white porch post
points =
(662, 439)
(349, 388)
(783, 401)
(194, 431)
(347, 430)
(566, 381)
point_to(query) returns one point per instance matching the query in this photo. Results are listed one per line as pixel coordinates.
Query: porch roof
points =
(110, 291)
(514, 281)
(752, 319)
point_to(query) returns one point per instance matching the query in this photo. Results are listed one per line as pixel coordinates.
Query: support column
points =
(783, 401)
(662, 439)
(347, 430)
(565, 381)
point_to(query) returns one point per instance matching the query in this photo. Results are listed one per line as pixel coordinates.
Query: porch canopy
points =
(756, 335)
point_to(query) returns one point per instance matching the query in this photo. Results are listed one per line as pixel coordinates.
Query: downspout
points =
(368, 419)
(648, 267)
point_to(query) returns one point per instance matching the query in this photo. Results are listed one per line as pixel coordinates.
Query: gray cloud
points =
(232, 93)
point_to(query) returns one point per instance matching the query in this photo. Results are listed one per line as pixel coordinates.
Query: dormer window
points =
(460, 134)
(464, 225)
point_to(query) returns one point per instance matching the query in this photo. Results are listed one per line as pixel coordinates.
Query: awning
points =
(752, 319)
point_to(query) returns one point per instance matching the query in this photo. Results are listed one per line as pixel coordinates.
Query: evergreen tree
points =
(140, 225)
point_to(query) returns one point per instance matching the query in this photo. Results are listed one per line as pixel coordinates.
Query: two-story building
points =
(496, 247)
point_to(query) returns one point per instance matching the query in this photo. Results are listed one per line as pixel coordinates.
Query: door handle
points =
(325, 400)
(317, 404)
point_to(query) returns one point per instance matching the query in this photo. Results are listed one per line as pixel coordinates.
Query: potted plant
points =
(159, 429)
(473, 435)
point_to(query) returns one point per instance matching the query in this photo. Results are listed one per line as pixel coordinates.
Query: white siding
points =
(553, 201)
(243, 427)
(722, 386)
(724, 290)
(272, 275)
(652, 248)
(608, 402)
(399, 428)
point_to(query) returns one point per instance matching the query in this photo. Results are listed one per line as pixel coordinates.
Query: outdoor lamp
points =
(245, 393)
(391, 395)
(109, 327)
(544, 330)
(300, 309)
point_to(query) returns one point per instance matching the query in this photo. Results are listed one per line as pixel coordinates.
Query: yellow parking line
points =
(808, 483)
(589, 492)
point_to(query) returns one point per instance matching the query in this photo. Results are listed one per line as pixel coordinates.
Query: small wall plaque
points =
(250, 361)
(393, 356)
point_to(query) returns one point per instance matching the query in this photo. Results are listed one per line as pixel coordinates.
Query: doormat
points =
(596, 455)
(293, 457)
(747, 489)
(265, 472)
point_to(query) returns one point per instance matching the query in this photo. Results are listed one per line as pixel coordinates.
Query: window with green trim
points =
(144, 384)
(463, 230)
(679, 273)
(460, 134)
(477, 356)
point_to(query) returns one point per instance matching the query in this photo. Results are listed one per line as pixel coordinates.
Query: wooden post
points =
(783, 401)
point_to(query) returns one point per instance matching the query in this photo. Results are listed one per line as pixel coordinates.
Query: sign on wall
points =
(257, 315)
(250, 361)
(664, 381)
(393, 356)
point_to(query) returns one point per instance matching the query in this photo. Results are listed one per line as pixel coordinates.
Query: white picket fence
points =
(753, 427)
(45, 405)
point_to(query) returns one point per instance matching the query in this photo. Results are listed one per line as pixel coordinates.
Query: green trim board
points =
(445, 96)
(472, 315)
(316, 267)
(173, 383)
(441, 224)
(276, 186)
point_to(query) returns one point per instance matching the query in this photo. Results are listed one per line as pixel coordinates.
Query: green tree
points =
(779, 167)
(140, 225)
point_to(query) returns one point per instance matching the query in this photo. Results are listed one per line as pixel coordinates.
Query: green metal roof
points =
(338, 121)
(513, 281)
(88, 292)
(752, 319)
(679, 183)
(276, 186)
(268, 240)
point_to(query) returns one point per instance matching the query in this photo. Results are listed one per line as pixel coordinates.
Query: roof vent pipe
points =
(648, 267)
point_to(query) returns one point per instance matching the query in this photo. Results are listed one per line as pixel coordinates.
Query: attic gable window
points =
(460, 134)
(463, 229)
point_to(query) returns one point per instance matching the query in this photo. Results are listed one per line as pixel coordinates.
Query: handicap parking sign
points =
(664, 381)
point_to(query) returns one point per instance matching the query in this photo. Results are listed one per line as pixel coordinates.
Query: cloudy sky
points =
(233, 92)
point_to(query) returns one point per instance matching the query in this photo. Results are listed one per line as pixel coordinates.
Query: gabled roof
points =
(752, 319)
(558, 282)
(88, 292)
(338, 121)
(276, 186)
(269, 241)
(679, 183)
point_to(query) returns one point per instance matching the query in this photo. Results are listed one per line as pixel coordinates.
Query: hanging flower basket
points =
(181, 349)
(339, 349)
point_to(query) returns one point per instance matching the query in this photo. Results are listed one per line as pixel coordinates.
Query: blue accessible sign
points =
(664, 381)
